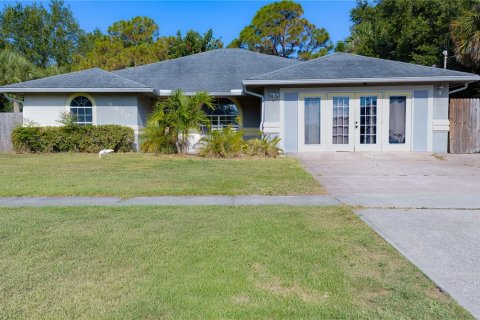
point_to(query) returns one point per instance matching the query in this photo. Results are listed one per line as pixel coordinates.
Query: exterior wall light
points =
(274, 95)
(440, 90)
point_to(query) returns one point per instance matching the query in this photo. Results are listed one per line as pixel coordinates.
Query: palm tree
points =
(174, 119)
(15, 68)
(465, 32)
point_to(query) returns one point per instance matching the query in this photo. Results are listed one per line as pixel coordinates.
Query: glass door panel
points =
(312, 121)
(341, 120)
(397, 120)
(368, 120)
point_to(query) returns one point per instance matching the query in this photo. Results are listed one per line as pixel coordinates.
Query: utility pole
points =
(445, 56)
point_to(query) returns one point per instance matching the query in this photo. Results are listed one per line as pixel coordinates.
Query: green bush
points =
(228, 143)
(90, 139)
(158, 139)
(264, 146)
(225, 143)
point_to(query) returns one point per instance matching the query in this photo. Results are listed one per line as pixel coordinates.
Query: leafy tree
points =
(43, 36)
(127, 44)
(192, 43)
(173, 119)
(404, 30)
(465, 31)
(340, 46)
(111, 54)
(86, 42)
(14, 68)
(137, 31)
(280, 29)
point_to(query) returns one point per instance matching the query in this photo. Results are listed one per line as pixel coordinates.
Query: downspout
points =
(14, 100)
(263, 104)
(465, 86)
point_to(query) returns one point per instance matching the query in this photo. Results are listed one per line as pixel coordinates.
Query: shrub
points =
(173, 119)
(225, 143)
(228, 143)
(158, 139)
(89, 139)
(264, 146)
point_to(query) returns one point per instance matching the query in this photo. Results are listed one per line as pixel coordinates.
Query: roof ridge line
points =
(401, 62)
(123, 78)
(61, 74)
(301, 63)
(207, 52)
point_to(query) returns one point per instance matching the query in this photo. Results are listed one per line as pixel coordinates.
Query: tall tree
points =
(45, 36)
(192, 43)
(466, 36)
(404, 30)
(137, 31)
(280, 29)
(14, 68)
(128, 43)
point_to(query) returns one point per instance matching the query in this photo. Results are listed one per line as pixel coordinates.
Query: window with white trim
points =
(81, 108)
(225, 113)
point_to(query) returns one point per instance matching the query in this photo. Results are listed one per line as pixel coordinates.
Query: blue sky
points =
(226, 18)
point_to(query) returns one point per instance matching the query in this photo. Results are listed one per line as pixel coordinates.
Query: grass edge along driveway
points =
(133, 175)
(207, 263)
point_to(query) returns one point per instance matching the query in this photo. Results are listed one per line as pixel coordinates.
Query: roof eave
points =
(93, 90)
(231, 93)
(364, 80)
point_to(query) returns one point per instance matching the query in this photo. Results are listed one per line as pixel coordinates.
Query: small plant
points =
(225, 143)
(264, 146)
(229, 143)
(157, 139)
(68, 120)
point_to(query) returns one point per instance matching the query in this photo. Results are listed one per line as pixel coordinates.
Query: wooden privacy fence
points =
(464, 117)
(8, 121)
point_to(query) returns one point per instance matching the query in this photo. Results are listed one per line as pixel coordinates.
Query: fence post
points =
(8, 121)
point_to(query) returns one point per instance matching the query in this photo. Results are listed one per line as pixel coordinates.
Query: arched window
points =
(81, 108)
(224, 114)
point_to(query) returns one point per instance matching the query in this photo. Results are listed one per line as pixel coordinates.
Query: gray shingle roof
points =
(218, 70)
(92, 80)
(341, 67)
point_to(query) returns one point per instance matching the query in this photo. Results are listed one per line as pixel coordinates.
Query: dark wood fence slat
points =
(8, 121)
(464, 125)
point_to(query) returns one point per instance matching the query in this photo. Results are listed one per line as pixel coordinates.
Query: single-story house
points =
(339, 102)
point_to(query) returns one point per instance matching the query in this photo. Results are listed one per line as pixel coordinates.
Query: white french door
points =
(348, 121)
(340, 115)
(368, 122)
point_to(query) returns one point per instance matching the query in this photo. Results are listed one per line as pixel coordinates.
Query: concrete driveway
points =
(406, 180)
(427, 207)
(444, 244)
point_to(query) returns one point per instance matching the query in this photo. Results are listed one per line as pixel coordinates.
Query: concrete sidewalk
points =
(253, 200)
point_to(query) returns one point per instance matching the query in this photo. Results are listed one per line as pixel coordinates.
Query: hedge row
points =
(90, 139)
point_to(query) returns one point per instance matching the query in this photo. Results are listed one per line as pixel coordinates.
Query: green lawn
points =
(206, 263)
(129, 175)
